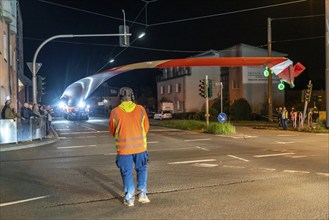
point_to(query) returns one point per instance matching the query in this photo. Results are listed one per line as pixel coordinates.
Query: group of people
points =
(295, 116)
(28, 111)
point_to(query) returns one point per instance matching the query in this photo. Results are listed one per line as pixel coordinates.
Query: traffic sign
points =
(37, 66)
(222, 117)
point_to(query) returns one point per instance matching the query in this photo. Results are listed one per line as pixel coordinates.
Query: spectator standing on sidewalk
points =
(129, 125)
(26, 113)
(7, 103)
(10, 113)
(279, 113)
(293, 117)
(285, 116)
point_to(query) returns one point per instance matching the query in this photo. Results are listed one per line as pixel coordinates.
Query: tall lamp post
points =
(34, 78)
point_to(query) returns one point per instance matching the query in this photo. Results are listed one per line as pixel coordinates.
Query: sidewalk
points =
(30, 144)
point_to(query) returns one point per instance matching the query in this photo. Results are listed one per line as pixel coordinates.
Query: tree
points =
(240, 110)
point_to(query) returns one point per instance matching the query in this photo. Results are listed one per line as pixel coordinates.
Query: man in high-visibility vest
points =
(129, 125)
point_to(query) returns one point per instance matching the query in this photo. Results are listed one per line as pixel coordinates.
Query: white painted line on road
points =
(282, 142)
(153, 142)
(189, 140)
(296, 171)
(201, 148)
(207, 165)
(239, 158)
(22, 201)
(70, 147)
(323, 174)
(62, 129)
(174, 149)
(286, 135)
(64, 138)
(84, 132)
(265, 169)
(235, 167)
(301, 156)
(193, 161)
(272, 155)
(84, 126)
(237, 137)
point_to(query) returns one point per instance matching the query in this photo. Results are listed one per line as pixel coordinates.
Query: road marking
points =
(70, 147)
(84, 126)
(235, 167)
(286, 135)
(237, 137)
(22, 201)
(272, 155)
(189, 140)
(265, 169)
(323, 174)
(84, 132)
(207, 165)
(153, 142)
(62, 129)
(296, 171)
(201, 148)
(282, 142)
(239, 158)
(193, 161)
(301, 156)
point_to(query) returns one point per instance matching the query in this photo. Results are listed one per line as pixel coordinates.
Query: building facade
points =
(12, 80)
(180, 85)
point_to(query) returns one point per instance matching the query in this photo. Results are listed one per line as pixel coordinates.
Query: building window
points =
(177, 87)
(235, 84)
(161, 90)
(5, 50)
(178, 105)
(169, 89)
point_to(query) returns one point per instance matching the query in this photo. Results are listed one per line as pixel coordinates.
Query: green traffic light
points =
(281, 86)
(266, 72)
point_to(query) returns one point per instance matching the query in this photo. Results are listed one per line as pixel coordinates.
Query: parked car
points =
(162, 115)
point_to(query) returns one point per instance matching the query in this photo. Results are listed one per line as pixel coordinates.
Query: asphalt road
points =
(253, 174)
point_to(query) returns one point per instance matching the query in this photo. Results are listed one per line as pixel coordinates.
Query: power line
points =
(226, 13)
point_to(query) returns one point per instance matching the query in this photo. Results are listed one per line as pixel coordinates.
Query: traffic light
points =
(124, 40)
(308, 92)
(319, 98)
(209, 88)
(41, 86)
(202, 88)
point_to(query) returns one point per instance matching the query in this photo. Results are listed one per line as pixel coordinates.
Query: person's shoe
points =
(129, 203)
(142, 197)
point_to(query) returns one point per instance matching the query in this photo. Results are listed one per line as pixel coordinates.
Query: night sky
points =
(65, 61)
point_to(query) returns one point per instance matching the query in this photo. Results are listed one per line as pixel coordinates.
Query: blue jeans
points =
(284, 124)
(126, 165)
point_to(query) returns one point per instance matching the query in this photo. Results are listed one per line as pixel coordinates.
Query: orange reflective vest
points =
(129, 125)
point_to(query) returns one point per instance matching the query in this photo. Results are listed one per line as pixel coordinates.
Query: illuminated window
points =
(161, 90)
(177, 87)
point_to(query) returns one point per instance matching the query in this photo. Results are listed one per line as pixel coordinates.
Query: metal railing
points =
(14, 131)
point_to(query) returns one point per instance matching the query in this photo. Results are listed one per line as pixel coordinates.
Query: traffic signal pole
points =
(207, 100)
(307, 99)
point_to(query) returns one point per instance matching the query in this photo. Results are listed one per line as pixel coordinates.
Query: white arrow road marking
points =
(22, 201)
(192, 161)
(239, 158)
(70, 147)
(272, 155)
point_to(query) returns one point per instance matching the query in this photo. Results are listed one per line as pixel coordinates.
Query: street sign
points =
(222, 117)
(37, 67)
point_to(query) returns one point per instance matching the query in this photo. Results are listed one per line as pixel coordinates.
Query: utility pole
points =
(270, 86)
(327, 63)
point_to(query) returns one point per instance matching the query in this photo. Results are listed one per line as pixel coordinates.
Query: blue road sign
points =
(222, 117)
